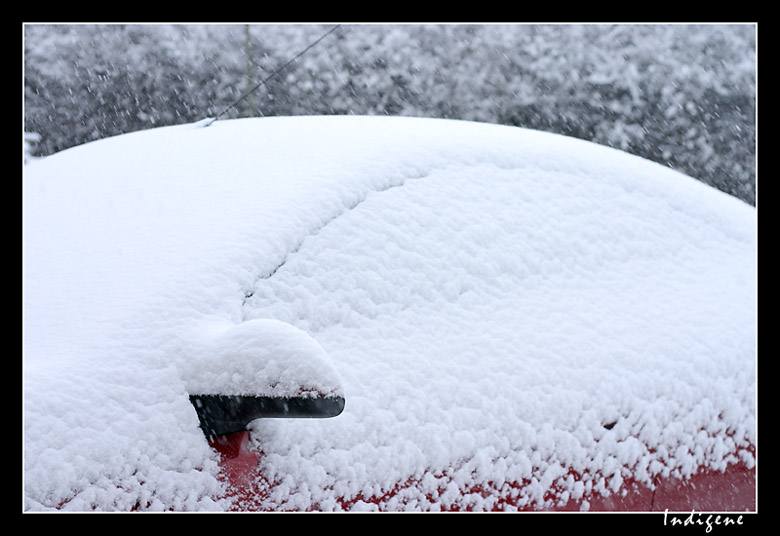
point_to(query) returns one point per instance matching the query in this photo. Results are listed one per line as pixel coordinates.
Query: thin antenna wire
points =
(277, 71)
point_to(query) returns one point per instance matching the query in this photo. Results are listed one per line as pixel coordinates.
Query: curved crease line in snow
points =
(250, 292)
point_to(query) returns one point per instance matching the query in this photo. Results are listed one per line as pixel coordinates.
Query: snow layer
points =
(497, 305)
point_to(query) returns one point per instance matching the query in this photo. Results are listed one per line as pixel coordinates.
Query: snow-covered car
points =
(489, 318)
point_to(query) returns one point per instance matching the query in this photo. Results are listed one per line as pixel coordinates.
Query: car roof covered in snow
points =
(495, 304)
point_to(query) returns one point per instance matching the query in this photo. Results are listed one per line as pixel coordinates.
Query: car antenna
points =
(211, 120)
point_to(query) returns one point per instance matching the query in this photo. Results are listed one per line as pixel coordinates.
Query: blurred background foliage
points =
(678, 94)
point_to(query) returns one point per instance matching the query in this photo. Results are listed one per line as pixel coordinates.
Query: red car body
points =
(731, 490)
(517, 321)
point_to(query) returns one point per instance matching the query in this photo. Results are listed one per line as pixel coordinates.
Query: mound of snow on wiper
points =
(496, 305)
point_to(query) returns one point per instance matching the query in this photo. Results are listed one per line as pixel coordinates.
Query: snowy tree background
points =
(681, 95)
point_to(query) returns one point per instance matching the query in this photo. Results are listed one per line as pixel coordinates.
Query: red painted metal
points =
(238, 470)
(631, 497)
(238, 463)
(732, 490)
